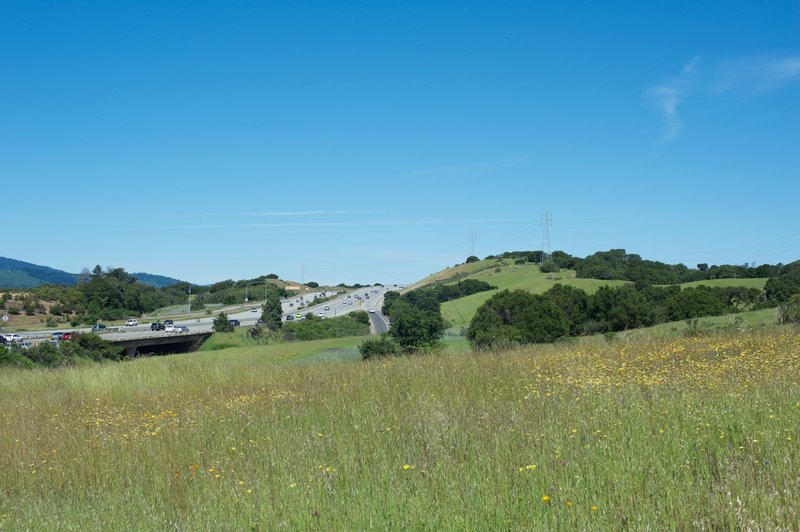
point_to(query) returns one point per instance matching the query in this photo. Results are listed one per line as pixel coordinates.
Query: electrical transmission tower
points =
(303, 274)
(472, 236)
(547, 219)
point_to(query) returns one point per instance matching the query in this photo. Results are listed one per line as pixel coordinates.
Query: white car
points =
(13, 337)
(169, 328)
(372, 311)
(181, 329)
(131, 323)
(254, 309)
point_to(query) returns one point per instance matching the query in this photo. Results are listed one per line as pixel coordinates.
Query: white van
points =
(131, 323)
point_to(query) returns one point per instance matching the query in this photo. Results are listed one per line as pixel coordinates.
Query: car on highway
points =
(12, 338)
(372, 311)
(58, 335)
(67, 336)
(157, 326)
(289, 317)
(97, 327)
(169, 322)
(327, 308)
(234, 323)
(131, 323)
(254, 309)
(169, 328)
(181, 329)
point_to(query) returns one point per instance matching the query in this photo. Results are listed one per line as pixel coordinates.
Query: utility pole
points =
(472, 236)
(547, 219)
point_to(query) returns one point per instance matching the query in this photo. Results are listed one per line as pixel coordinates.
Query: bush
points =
(789, 312)
(221, 323)
(517, 318)
(382, 346)
(472, 258)
(549, 267)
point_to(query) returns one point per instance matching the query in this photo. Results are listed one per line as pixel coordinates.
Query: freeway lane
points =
(366, 299)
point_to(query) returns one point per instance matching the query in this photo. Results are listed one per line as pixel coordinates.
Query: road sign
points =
(5, 317)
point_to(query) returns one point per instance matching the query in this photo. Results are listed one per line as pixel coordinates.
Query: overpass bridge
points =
(160, 344)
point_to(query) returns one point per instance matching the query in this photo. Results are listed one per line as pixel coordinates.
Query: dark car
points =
(98, 327)
(234, 323)
(157, 326)
(289, 317)
(57, 336)
(168, 322)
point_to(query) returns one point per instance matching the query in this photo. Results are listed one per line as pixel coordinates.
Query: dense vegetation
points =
(620, 265)
(565, 310)
(81, 348)
(316, 328)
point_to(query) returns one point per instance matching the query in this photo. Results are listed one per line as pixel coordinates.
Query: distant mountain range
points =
(19, 274)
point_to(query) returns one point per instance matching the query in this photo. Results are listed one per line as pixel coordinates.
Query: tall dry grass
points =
(683, 433)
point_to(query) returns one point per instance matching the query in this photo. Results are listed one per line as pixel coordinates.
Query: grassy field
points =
(511, 276)
(638, 433)
(747, 283)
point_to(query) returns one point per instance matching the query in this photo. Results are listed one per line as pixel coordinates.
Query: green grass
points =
(511, 276)
(742, 321)
(635, 434)
(746, 283)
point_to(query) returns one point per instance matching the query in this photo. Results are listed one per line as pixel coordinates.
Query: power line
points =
(472, 236)
(547, 219)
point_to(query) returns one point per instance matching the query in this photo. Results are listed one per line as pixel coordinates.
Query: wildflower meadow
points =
(640, 433)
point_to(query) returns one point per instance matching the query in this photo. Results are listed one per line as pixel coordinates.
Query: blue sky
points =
(363, 141)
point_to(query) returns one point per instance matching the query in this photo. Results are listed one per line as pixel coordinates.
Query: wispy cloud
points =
(750, 75)
(342, 224)
(276, 214)
(756, 74)
(668, 95)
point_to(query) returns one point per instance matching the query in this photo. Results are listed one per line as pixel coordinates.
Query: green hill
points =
(505, 275)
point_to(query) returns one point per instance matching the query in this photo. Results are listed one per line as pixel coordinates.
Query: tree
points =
(272, 312)
(516, 317)
(789, 312)
(472, 258)
(694, 303)
(549, 267)
(781, 288)
(574, 302)
(312, 284)
(617, 309)
(414, 328)
(221, 323)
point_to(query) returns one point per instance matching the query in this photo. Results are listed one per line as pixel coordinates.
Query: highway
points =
(366, 299)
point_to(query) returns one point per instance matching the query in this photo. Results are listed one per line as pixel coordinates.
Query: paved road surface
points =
(370, 298)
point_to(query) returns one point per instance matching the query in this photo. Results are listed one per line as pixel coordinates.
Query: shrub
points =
(221, 323)
(517, 318)
(549, 267)
(789, 312)
(382, 346)
(472, 258)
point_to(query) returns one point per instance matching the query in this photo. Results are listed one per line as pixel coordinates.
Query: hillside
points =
(158, 281)
(512, 274)
(18, 274)
(506, 275)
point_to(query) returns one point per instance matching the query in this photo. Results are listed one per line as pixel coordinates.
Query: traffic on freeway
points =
(369, 299)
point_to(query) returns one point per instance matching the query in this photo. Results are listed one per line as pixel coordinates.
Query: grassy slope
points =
(512, 277)
(688, 433)
(747, 283)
